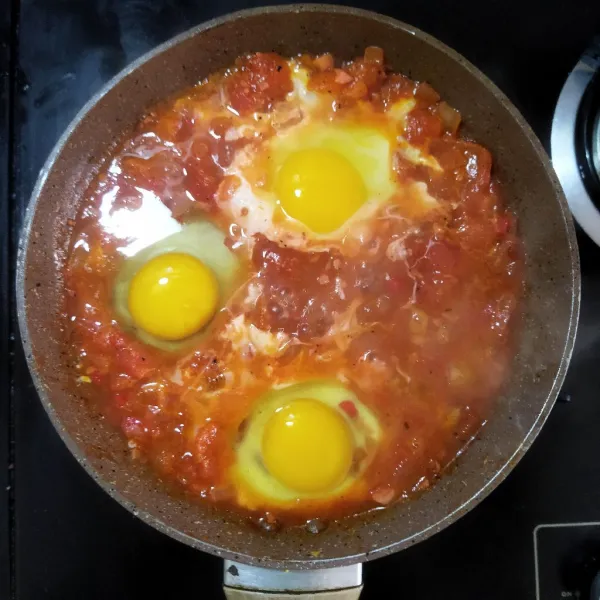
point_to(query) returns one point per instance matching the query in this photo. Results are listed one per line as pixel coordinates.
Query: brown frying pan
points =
(550, 306)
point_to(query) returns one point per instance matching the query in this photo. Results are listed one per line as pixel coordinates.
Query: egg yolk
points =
(173, 296)
(320, 188)
(307, 446)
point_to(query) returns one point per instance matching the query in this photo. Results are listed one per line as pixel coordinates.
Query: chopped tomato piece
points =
(349, 408)
(421, 126)
(120, 399)
(151, 172)
(133, 427)
(207, 450)
(396, 87)
(325, 82)
(400, 287)
(503, 224)
(260, 80)
(134, 362)
(370, 73)
(97, 377)
(201, 181)
(324, 62)
(357, 89)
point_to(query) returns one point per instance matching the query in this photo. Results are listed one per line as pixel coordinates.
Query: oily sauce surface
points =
(414, 313)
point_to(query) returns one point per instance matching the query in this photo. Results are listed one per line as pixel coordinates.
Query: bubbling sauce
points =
(410, 307)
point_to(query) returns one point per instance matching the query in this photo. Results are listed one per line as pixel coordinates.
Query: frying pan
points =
(550, 306)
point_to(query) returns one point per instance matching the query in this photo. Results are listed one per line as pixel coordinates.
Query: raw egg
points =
(307, 446)
(320, 188)
(303, 442)
(170, 291)
(323, 174)
(173, 296)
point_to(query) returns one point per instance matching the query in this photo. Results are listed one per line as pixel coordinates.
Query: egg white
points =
(248, 340)
(256, 210)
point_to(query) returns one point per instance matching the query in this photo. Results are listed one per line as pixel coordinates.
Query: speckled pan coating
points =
(551, 305)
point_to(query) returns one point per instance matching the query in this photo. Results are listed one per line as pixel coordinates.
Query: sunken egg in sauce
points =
(310, 441)
(292, 288)
(169, 291)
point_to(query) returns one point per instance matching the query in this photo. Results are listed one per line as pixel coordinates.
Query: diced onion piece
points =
(374, 54)
(250, 340)
(450, 117)
(396, 250)
(232, 134)
(416, 156)
(426, 93)
(253, 294)
(452, 418)
(267, 343)
(418, 323)
(400, 109)
(383, 494)
(285, 116)
(177, 377)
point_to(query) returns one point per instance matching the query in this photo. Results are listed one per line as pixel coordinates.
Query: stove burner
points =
(587, 138)
(575, 142)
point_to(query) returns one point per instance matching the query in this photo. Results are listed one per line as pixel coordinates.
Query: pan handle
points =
(237, 594)
(246, 582)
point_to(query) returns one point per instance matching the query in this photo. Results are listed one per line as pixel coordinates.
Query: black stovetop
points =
(62, 538)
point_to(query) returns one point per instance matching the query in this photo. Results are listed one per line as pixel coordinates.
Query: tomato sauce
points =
(418, 318)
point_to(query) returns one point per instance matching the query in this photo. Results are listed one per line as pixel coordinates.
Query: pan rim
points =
(225, 552)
